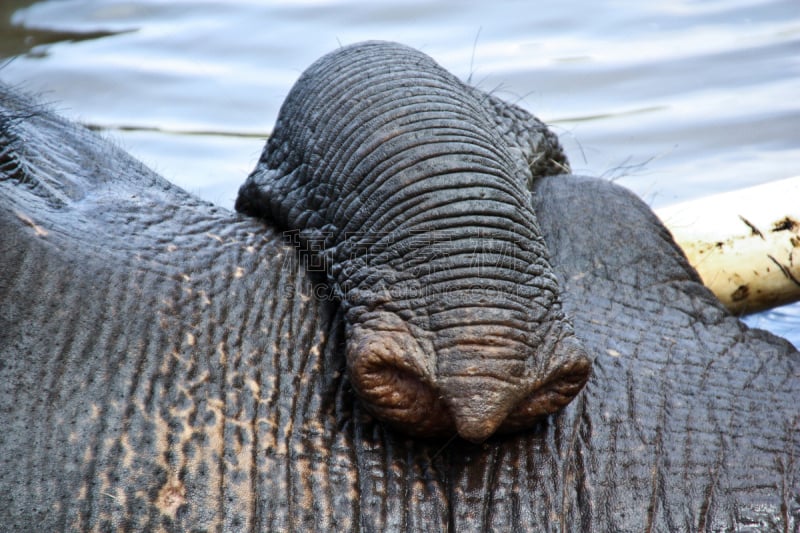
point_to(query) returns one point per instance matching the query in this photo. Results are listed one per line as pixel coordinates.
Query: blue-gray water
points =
(674, 100)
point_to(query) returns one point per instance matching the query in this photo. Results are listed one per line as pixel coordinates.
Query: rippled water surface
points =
(674, 100)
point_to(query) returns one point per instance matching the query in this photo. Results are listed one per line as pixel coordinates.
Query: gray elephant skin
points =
(166, 364)
(400, 181)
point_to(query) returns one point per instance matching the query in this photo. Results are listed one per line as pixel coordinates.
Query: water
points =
(674, 100)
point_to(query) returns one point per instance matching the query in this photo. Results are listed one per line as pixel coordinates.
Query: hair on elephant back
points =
(412, 187)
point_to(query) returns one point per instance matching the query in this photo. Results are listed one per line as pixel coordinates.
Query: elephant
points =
(167, 364)
(400, 184)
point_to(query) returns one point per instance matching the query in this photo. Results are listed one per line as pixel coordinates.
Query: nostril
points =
(386, 371)
(554, 391)
(393, 388)
(572, 370)
(387, 383)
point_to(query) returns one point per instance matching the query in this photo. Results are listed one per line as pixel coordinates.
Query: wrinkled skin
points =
(165, 364)
(395, 174)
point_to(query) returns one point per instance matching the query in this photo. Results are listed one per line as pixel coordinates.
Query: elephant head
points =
(398, 177)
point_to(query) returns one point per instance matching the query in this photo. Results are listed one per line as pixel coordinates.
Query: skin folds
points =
(412, 188)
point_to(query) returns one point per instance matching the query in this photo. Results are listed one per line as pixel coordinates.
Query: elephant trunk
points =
(393, 171)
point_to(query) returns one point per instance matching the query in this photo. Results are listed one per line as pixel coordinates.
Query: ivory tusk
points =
(745, 244)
